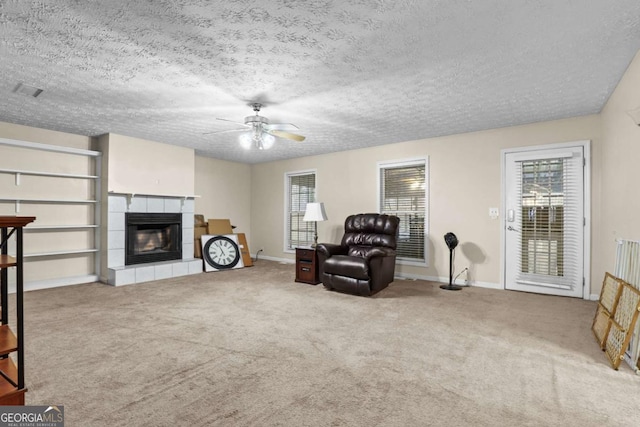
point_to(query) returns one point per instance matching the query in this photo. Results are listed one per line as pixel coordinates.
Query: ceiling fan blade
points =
(225, 131)
(229, 130)
(286, 135)
(233, 121)
(281, 126)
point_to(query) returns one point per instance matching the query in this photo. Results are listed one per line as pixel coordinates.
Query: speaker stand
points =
(451, 286)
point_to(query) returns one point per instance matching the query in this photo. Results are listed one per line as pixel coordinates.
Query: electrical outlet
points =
(494, 213)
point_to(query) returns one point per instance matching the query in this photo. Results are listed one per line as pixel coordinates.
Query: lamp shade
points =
(315, 212)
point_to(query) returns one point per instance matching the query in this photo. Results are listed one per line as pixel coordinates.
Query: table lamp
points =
(315, 212)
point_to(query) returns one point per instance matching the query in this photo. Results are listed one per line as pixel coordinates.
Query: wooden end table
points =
(307, 266)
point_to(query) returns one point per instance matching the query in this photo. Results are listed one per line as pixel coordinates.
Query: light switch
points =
(494, 213)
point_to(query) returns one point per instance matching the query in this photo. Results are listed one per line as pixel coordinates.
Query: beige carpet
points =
(251, 347)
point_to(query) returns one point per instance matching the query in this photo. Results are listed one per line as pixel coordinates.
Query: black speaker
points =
(451, 240)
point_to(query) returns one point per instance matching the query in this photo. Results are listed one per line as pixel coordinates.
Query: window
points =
(301, 189)
(402, 188)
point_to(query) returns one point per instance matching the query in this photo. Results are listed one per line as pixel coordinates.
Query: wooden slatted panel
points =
(609, 297)
(622, 324)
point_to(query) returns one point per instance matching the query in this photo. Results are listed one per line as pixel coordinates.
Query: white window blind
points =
(301, 189)
(403, 193)
(551, 221)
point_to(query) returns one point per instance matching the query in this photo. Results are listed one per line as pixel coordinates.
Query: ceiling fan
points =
(260, 132)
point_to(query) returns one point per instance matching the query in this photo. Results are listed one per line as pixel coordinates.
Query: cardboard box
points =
(198, 231)
(197, 248)
(219, 226)
(244, 250)
(198, 220)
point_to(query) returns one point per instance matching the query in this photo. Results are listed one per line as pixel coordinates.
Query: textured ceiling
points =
(349, 74)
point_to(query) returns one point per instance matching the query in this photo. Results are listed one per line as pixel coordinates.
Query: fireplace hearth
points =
(153, 237)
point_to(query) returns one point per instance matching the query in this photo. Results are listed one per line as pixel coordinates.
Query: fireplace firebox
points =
(153, 237)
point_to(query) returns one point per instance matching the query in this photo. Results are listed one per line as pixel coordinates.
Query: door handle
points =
(510, 228)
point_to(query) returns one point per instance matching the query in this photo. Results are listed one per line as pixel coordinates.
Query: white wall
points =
(146, 167)
(225, 192)
(620, 204)
(464, 183)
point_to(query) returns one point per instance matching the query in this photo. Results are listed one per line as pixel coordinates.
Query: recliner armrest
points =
(368, 252)
(330, 249)
(380, 252)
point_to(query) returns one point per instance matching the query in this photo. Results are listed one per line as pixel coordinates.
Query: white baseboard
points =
(487, 285)
(405, 276)
(476, 283)
(282, 260)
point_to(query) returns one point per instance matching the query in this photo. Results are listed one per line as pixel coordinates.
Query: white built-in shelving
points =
(44, 177)
(18, 172)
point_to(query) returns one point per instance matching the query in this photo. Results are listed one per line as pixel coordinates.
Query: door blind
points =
(551, 220)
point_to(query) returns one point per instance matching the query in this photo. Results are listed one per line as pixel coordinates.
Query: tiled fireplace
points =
(162, 238)
(152, 237)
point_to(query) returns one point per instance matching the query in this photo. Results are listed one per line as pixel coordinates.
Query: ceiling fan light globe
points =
(245, 140)
(268, 141)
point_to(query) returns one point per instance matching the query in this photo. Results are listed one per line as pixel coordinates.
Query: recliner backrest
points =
(371, 229)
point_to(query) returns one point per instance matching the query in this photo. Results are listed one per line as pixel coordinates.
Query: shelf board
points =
(59, 227)
(57, 253)
(7, 261)
(51, 174)
(176, 196)
(60, 201)
(8, 341)
(47, 147)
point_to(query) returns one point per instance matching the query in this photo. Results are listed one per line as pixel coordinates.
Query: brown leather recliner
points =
(364, 263)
